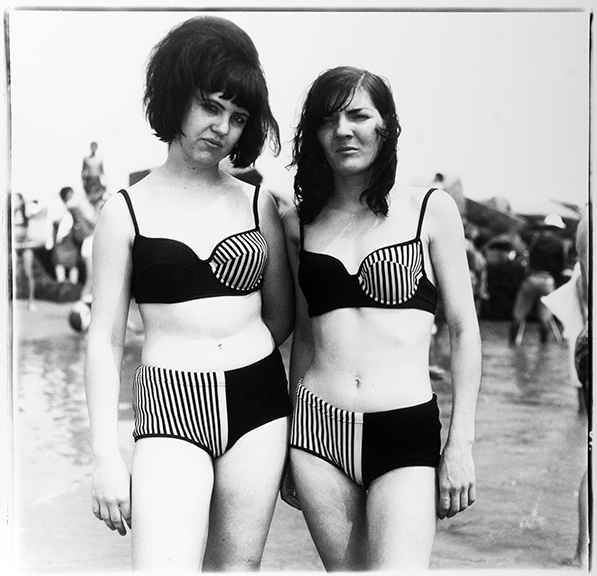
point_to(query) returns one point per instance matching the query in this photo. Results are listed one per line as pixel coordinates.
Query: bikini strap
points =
(423, 208)
(130, 205)
(255, 205)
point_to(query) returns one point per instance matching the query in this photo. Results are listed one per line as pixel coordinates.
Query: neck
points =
(189, 174)
(347, 193)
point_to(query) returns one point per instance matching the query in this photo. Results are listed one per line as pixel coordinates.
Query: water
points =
(530, 452)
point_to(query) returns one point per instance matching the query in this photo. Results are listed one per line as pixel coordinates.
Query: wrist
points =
(460, 440)
(105, 453)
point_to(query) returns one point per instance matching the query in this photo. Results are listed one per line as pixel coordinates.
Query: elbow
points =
(281, 327)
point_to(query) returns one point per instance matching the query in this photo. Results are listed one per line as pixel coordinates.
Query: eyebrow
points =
(217, 103)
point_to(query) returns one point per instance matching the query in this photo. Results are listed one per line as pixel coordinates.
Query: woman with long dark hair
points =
(369, 258)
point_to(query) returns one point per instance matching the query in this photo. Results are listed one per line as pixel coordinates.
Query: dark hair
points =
(65, 192)
(332, 91)
(21, 208)
(207, 54)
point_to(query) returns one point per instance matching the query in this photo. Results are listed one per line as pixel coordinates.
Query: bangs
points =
(244, 87)
(333, 94)
(335, 101)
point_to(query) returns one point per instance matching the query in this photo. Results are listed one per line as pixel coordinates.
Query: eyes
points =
(356, 116)
(214, 108)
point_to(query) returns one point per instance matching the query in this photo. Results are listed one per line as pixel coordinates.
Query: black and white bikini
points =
(209, 409)
(367, 445)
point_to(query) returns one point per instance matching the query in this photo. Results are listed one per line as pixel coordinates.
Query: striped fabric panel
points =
(239, 262)
(179, 404)
(331, 433)
(391, 275)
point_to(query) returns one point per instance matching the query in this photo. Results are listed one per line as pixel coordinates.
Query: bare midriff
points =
(371, 359)
(206, 335)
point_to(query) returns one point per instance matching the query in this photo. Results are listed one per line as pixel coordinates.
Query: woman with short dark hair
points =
(203, 254)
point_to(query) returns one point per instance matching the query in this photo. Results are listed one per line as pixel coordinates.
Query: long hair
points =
(331, 92)
(205, 55)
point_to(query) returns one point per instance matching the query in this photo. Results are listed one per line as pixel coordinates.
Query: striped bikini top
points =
(389, 277)
(167, 271)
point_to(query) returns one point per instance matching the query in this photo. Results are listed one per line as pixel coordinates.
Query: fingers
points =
(125, 509)
(288, 491)
(114, 515)
(453, 501)
(289, 496)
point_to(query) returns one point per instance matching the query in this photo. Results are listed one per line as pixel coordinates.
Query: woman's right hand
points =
(288, 490)
(111, 493)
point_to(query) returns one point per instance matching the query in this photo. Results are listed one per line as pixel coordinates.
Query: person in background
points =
(546, 262)
(368, 259)
(477, 265)
(65, 250)
(203, 254)
(583, 362)
(92, 174)
(22, 244)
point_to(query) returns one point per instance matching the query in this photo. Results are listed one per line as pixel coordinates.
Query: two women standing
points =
(204, 255)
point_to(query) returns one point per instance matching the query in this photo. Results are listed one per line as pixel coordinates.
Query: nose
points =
(221, 124)
(343, 127)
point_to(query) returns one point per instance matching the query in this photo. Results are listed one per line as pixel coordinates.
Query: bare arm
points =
(582, 248)
(111, 297)
(276, 291)
(302, 340)
(448, 257)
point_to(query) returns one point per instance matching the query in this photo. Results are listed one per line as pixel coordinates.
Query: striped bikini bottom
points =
(209, 409)
(366, 445)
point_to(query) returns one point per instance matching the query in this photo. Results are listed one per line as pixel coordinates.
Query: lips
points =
(215, 143)
(346, 149)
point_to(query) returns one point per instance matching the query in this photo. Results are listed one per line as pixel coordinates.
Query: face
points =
(212, 127)
(349, 137)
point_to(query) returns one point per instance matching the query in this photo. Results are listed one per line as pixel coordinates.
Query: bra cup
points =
(240, 264)
(389, 283)
(168, 281)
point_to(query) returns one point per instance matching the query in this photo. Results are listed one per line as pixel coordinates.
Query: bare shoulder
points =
(290, 220)
(266, 201)
(115, 216)
(442, 215)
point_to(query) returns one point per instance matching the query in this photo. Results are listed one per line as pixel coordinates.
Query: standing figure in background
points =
(546, 262)
(204, 256)
(94, 179)
(61, 239)
(368, 258)
(22, 244)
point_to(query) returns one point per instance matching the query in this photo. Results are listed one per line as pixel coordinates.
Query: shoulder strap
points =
(130, 205)
(255, 205)
(423, 208)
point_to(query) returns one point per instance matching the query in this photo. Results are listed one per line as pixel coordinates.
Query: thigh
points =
(246, 487)
(334, 507)
(401, 518)
(172, 482)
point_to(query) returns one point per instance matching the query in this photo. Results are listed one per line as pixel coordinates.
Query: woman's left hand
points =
(456, 481)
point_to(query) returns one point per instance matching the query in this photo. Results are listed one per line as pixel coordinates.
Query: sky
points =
(497, 99)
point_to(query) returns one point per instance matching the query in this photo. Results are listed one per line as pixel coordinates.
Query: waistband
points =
(172, 376)
(341, 415)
